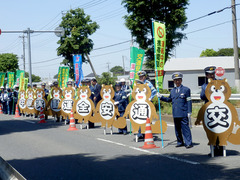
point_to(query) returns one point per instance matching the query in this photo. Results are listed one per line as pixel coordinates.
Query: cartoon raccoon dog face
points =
(40, 93)
(84, 92)
(141, 92)
(218, 91)
(68, 93)
(107, 92)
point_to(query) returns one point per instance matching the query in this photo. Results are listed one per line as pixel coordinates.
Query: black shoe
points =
(189, 146)
(179, 145)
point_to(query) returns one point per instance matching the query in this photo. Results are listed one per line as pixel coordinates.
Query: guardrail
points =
(7, 172)
(197, 96)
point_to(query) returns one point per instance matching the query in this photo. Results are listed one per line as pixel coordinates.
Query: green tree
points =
(78, 27)
(117, 70)
(220, 52)
(8, 62)
(139, 22)
(107, 79)
(225, 52)
(208, 53)
(34, 77)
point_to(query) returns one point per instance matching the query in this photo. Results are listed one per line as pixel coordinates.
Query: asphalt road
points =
(49, 151)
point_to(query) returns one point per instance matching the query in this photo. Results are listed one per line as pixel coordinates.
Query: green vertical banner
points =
(19, 73)
(136, 62)
(2, 78)
(10, 79)
(25, 83)
(59, 76)
(21, 82)
(159, 33)
(63, 75)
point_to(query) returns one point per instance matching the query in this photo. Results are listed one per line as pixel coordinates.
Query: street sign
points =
(219, 71)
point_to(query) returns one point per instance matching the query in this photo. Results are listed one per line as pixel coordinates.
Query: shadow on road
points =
(88, 166)
(9, 126)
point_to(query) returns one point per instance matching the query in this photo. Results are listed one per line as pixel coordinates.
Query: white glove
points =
(150, 99)
(159, 95)
(189, 119)
(116, 102)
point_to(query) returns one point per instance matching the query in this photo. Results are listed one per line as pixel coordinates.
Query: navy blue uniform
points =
(96, 91)
(121, 97)
(181, 106)
(10, 102)
(46, 93)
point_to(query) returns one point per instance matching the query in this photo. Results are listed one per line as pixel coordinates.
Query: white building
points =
(193, 71)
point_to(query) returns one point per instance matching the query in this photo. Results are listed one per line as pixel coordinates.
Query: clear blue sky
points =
(46, 15)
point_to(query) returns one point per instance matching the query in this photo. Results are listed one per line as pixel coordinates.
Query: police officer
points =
(120, 99)
(4, 99)
(125, 87)
(143, 79)
(15, 96)
(210, 74)
(55, 84)
(45, 90)
(69, 84)
(180, 96)
(9, 101)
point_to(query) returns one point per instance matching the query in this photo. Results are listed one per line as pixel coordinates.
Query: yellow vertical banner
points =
(159, 33)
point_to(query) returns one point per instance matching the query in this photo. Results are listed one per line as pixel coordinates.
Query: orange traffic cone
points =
(72, 125)
(148, 141)
(1, 112)
(42, 118)
(17, 112)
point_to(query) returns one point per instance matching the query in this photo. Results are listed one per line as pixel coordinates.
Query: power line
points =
(211, 26)
(111, 45)
(110, 53)
(209, 14)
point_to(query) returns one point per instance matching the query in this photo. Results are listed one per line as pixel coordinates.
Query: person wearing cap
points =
(9, 101)
(143, 79)
(43, 85)
(15, 97)
(4, 99)
(210, 74)
(69, 84)
(120, 99)
(55, 84)
(125, 87)
(180, 96)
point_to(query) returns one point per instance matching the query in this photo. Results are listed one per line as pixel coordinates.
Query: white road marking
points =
(150, 152)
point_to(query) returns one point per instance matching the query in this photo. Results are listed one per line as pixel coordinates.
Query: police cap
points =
(87, 80)
(118, 84)
(34, 85)
(177, 75)
(94, 79)
(55, 83)
(69, 83)
(210, 69)
(28, 85)
(83, 81)
(43, 84)
(141, 73)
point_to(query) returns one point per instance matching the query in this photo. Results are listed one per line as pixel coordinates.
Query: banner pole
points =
(156, 79)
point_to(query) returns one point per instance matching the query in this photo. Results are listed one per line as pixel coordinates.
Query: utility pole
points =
(91, 65)
(123, 65)
(235, 46)
(108, 66)
(23, 56)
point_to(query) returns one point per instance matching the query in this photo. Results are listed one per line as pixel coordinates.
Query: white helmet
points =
(122, 80)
